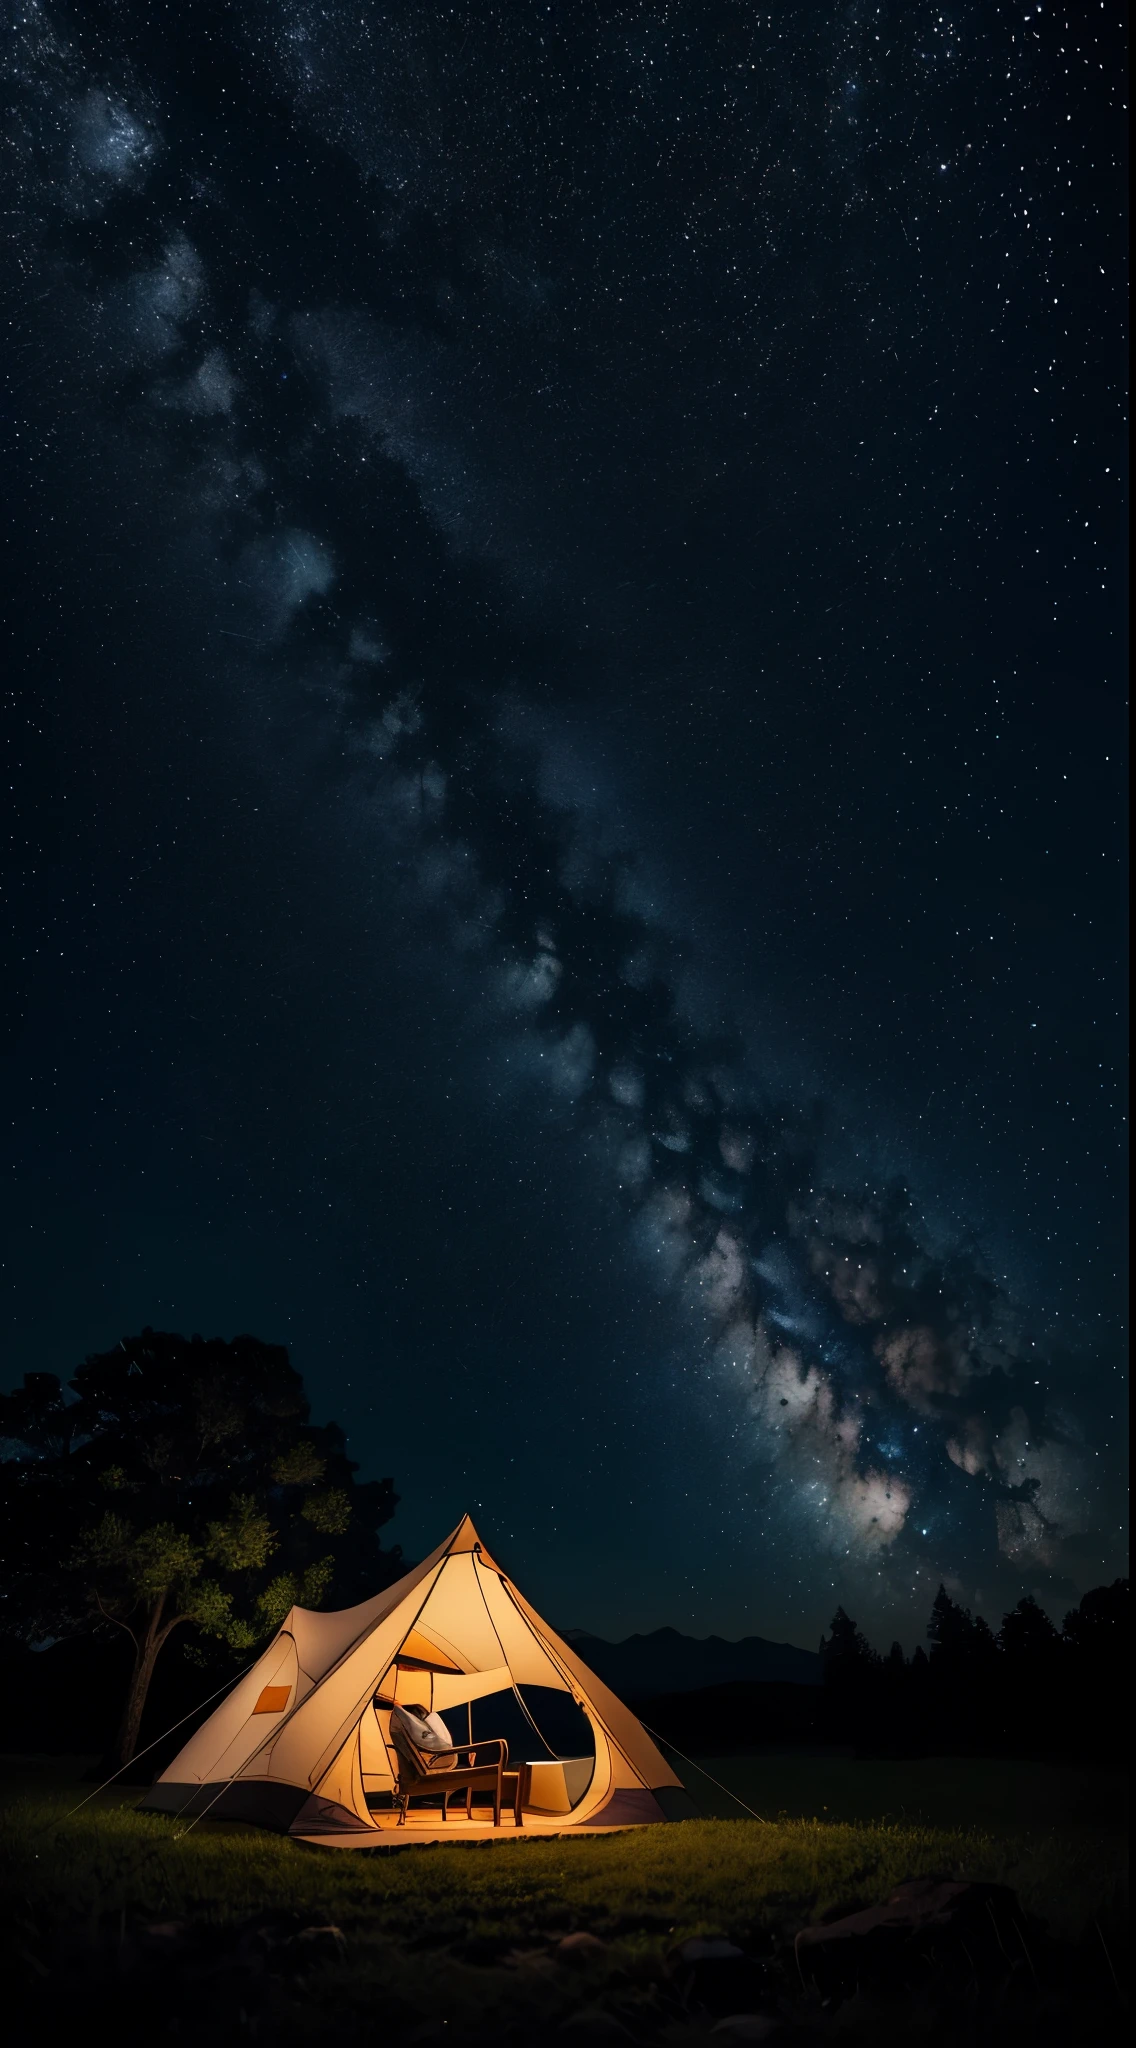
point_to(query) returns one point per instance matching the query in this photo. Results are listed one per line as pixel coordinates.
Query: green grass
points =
(430, 1929)
(999, 1794)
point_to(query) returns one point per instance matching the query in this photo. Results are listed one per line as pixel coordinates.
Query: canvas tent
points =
(300, 1745)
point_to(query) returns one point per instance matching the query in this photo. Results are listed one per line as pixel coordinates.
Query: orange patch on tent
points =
(420, 1654)
(273, 1699)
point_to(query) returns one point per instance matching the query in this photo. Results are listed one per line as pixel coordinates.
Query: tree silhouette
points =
(178, 1484)
(955, 1634)
(1027, 1634)
(1098, 1628)
(846, 1649)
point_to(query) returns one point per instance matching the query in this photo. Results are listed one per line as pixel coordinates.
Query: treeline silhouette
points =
(1032, 1685)
(1031, 1689)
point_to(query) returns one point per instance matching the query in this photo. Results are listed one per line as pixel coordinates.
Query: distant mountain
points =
(666, 1661)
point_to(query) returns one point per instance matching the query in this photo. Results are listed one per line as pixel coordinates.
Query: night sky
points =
(565, 702)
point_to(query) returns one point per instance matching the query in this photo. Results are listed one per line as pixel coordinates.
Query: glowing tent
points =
(302, 1744)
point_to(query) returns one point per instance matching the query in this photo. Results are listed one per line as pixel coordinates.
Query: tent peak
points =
(465, 1537)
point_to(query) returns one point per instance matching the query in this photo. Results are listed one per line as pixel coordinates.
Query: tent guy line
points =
(668, 1744)
(172, 1730)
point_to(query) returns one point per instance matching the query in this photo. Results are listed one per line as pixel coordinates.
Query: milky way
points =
(550, 467)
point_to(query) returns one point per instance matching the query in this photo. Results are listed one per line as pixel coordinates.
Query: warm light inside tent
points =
(419, 1650)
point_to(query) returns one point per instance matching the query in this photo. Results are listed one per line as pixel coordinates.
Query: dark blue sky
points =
(567, 738)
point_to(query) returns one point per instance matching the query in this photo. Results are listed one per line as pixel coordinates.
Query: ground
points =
(169, 1933)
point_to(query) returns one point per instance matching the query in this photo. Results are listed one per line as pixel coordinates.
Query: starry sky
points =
(564, 702)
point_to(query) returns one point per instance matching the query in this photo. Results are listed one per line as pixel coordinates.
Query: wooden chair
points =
(423, 1771)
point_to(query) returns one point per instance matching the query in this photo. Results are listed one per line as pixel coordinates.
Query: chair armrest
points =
(497, 1742)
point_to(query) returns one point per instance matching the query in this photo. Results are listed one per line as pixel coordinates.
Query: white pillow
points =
(429, 1732)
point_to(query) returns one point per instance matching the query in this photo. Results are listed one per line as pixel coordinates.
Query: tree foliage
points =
(178, 1484)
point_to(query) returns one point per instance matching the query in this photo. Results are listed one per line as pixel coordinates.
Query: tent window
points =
(273, 1699)
(564, 1730)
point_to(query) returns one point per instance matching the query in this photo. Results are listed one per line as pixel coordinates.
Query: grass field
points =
(1000, 1794)
(459, 1943)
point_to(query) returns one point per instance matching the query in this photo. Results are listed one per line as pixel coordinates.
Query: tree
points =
(1098, 1629)
(178, 1484)
(985, 1644)
(846, 1650)
(1027, 1634)
(955, 1634)
(1096, 1660)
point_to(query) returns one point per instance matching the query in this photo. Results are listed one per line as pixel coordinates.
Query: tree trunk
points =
(146, 1647)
